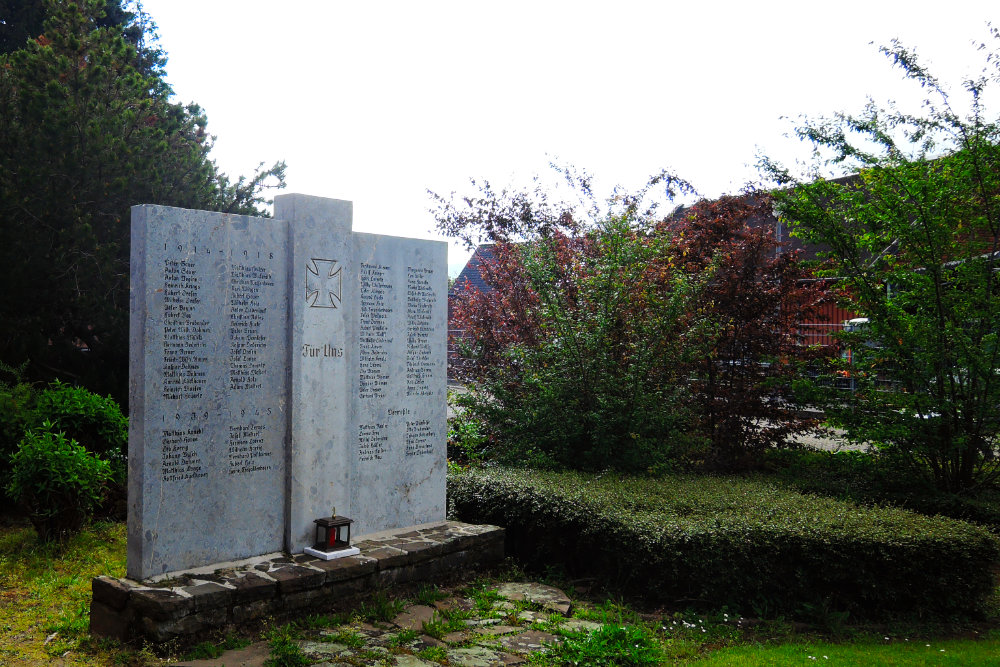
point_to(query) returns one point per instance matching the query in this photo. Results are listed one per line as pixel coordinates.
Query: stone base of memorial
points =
(323, 554)
(189, 604)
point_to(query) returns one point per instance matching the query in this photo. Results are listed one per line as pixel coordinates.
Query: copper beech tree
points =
(756, 298)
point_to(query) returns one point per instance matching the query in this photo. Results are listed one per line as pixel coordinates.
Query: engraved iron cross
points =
(324, 280)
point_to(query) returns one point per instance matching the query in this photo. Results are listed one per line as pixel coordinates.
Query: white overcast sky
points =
(376, 102)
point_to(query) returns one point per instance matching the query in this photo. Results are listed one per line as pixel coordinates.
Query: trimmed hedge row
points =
(875, 478)
(730, 541)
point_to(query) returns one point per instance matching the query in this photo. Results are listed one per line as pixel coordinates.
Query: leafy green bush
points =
(466, 442)
(744, 543)
(17, 405)
(622, 645)
(910, 239)
(96, 422)
(57, 481)
(576, 353)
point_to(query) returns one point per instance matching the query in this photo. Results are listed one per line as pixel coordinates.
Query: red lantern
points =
(333, 533)
(333, 538)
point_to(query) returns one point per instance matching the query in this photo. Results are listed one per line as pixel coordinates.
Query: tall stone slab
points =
(399, 382)
(323, 293)
(280, 368)
(208, 388)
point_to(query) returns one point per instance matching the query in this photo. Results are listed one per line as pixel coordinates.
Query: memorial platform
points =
(187, 604)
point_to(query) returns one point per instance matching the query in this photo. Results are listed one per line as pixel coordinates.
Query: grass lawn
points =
(901, 652)
(44, 616)
(46, 592)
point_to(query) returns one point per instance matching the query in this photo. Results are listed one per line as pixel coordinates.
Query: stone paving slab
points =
(490, 641)
(548, 597)
(474, 656)
(414, 661)
(529, 642)
(414, 617)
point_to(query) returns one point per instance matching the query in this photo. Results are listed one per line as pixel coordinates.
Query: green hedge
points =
(748, 544)
(876, 479)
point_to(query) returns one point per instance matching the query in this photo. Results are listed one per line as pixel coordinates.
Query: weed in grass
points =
(322, 621)
(204, 651)
(126, 657)
(444, 622)
(284, 651)
(485, 598)
(556, 620)
(402, 638)
(623, 645)
(832, 621)
(479, 584)
(435, 628)
(347, 637)
(434, 654)
(609, 611)
(232, 642)
(428, 595)
(380, 608)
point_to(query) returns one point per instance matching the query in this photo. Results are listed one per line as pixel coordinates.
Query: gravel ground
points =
(829, 439)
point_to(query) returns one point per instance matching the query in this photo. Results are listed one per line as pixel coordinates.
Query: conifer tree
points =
(87, 130)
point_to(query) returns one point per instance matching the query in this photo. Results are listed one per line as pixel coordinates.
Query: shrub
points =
(756, 303)
(94, 421)
(17, 404)
(57, 481)
(728, 541)
(585, 372)
(466, 442)
(607, 337)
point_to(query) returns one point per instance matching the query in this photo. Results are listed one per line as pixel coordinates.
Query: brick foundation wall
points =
(191, 604)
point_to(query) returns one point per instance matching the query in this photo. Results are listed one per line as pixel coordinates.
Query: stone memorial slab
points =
(208, 387)
(369, 426)
(399, 383)
(322, 292)
(281, 370)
